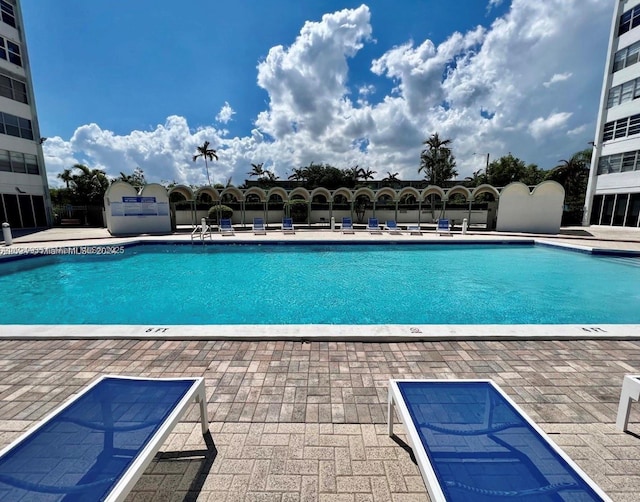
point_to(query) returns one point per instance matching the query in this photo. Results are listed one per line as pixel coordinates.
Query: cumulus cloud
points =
(542, 126)
(488, 89)
(225, 114)
(558, 77)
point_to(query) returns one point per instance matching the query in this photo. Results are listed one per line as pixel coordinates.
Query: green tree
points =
(366, 174)
(66, 176)
(476, 179)
(135, 179)
(257, 170)
(508, 169)
(437, 163)
(88, 186)
(573, 175)
(206, 153)
(322, 175)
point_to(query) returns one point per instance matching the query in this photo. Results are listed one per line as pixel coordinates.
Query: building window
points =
(621, 128)
(17, 162)
(633, 211)
(8, 14)
(10, 51)
(629, 20)
(626, 57)
(620, 162)
(13, 89)
(15, 126)
(623, 93)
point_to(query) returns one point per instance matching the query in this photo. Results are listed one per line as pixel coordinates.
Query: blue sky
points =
(287, 82)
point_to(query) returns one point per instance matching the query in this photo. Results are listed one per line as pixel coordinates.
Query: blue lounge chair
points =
(373, 226)
(97, 445)
(258, 227)
(392, 227)
(443, 227)
(226, 228)
(287, 226)
(347, 225)
(414, 230)
(473, 443)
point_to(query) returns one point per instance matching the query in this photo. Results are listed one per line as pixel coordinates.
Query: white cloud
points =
(542, 126)
(225, 114)
(558, 77)
(488, 90)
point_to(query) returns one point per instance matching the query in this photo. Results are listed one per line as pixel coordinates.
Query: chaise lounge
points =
(258, 227)
(96, 445)
(373, 227)
(287, 226)
(347, 225)
(226, 228)
(443, 227)
(472, 443)
(392, 227)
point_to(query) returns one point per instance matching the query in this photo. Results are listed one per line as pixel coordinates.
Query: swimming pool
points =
(322, 284)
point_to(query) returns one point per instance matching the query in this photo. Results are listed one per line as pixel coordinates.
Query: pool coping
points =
(322, 332)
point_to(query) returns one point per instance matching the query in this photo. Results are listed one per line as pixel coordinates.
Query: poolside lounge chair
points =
(392, 227)
(226, 228)
(287, 226)
(96, 445)
(373, 226)
(414, 230)
(630, 391)
(347, 225)
(443, 227)
(258, 227)
(471, 442)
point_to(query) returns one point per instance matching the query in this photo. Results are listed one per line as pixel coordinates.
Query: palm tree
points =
(257, 170)
(366, 174)
(436, 160)
(476, 179)
(66, 176)
(206, 153)
(392, 179)
(299, 174)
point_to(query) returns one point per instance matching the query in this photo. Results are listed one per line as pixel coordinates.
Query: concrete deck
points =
(306, 421)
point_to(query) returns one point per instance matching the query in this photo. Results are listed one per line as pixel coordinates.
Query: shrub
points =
(299, 210)
(221, 210)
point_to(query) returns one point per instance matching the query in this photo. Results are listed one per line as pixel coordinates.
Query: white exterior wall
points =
(623, 182)
(538, 211)
(123, 224)
(14, 183)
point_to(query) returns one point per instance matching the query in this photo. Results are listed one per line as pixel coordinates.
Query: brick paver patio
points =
(295, 421)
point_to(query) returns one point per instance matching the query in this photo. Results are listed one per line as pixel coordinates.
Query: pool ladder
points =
(202, 231)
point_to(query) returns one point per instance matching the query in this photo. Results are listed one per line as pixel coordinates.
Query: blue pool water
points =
(320, 284)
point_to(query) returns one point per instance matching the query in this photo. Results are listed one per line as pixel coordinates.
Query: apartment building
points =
(24, 193)
(613, 193)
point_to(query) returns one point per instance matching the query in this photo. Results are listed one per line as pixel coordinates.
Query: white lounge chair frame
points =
(630, 391)
(396, 402)
(120, 490)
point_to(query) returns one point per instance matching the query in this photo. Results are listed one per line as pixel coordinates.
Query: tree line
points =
(86, 186)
